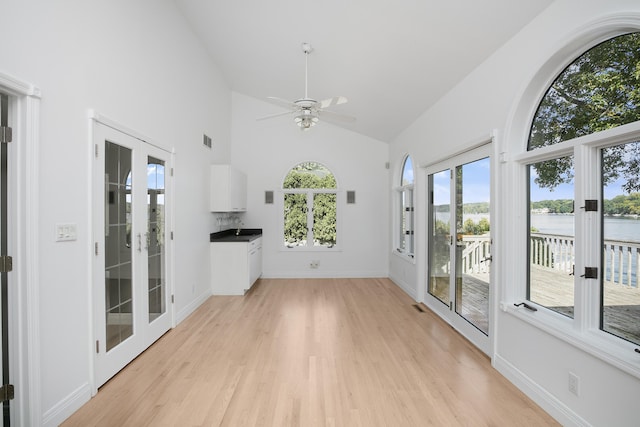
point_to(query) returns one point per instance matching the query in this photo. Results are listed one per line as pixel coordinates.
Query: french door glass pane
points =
(155, 237)
(439, 235)
(118, 251)
(324, 219)
(295, 219)
(552, 235)
(620, 303)
(473, 243)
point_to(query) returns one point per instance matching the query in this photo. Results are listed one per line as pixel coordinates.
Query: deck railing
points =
(476, 254)
(557, 252)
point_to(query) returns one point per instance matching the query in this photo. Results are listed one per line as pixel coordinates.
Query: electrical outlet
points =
(574, 384)
(314, 264)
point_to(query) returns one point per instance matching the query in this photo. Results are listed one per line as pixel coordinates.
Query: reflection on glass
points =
(324, 219)
(551, 235)
(620, 304)
(473, 243)
(439, 235)
(118, 267)
(155, 237)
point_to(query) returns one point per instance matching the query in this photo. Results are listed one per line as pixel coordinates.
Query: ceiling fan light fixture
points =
(306, 119)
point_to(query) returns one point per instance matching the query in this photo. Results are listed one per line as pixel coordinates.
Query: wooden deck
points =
(554, 289)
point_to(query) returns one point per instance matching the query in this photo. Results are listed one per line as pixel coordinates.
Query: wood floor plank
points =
(312, 352)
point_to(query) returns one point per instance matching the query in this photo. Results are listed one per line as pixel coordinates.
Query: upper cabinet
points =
(228, 189)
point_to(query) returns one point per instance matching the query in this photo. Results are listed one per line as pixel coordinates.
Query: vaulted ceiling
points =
(391, 59)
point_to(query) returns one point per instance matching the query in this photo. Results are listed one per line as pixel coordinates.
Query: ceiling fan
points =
(307, 111)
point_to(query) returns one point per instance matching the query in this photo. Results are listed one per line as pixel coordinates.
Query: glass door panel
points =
(440, 235)
(473, 243)
(155, 237)
(459, 243)
(117, 234)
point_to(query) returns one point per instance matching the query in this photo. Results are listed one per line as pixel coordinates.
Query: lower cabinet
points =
(235, 266)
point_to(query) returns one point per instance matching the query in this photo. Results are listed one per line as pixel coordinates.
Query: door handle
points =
(139, 242)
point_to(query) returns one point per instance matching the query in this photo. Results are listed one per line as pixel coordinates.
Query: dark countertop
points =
(246, 235)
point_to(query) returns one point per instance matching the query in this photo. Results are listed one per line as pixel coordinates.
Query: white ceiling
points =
(392, 59)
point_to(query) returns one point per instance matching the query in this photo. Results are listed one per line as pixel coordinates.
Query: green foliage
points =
(310, 176)
(560, 206)
(619, 205)
(598, 91)
(623, 205)
(324, 218)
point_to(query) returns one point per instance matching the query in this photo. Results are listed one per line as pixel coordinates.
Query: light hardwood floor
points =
(313, 352)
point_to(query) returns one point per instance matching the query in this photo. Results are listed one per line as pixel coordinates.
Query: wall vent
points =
(206, 140)
(351, 197)
(268, 197)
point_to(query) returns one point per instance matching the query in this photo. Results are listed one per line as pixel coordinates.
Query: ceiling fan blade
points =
(281, 102)
(271, 116)
(331, 116)
(336, 100)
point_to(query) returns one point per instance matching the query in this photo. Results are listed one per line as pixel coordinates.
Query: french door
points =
(5, 265)
(131, 215)
(459, 243)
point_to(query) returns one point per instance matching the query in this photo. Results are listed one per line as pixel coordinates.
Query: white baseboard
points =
(185, 312)
(320, 274)
(67, 406)
(558, 410)
(404, 286)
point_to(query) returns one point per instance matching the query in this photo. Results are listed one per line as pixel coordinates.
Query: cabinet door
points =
(238, 190)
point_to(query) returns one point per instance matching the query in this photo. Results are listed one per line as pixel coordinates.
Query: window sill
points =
(405, 256)
(612, 350)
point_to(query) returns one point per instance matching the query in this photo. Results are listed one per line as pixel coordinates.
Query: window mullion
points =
(310, 218)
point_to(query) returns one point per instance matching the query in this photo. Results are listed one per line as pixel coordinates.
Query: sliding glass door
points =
(459, 243)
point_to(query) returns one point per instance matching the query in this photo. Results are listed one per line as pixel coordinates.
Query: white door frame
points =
(99, 119)
(24, 339)
(484, 148)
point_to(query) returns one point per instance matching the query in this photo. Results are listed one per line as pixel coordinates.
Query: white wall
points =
(498, 95)
(267, 150)
(140, 65)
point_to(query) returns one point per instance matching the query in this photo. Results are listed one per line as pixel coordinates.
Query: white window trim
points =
(583, 331)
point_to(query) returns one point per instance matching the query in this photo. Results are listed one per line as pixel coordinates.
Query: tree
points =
(310, 175)
(598, 91)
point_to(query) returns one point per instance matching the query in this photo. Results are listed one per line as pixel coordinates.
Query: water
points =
(616, 227)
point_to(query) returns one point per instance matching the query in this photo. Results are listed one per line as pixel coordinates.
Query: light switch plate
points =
(66, 232)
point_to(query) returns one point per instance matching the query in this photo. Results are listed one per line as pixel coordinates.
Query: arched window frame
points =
(405, 220)
(310, 194)
(583, 331)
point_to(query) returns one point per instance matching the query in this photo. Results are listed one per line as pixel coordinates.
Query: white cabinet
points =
(235, 266)
(228, 189)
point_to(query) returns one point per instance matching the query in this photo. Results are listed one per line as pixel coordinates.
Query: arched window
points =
(310, 207)
(584, 190)
(405, 239)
